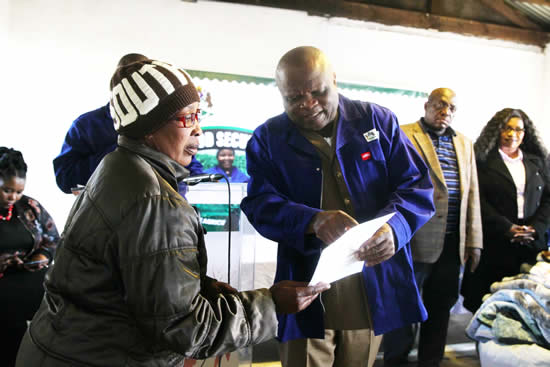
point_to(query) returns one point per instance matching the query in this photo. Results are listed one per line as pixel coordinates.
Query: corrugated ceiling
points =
(536, 12)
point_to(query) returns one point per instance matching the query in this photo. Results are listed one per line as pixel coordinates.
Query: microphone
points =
(207, 177)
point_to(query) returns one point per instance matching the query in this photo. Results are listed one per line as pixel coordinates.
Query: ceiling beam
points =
(510, 13)
(435, 6)
(406, 18)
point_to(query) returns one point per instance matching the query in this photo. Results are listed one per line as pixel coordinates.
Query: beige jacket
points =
(427, 243)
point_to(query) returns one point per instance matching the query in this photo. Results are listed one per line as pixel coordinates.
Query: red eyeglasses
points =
(189, 120)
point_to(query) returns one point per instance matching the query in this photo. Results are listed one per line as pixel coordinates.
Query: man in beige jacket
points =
(450, 238)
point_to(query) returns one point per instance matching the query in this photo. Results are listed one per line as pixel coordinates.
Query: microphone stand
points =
(214, 177)
(193, 180)
(229, 232)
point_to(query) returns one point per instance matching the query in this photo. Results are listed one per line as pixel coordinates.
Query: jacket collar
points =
(347, 114)
(170, 170)
(495, 162)
(23, 204)
(107, 111)
(533, 164)
(424, 141)
(428, 129)
(350, 113)
(296, 140)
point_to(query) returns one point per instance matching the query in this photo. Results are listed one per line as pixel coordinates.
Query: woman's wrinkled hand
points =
(10, 259)
(221, 287)
(291, 296)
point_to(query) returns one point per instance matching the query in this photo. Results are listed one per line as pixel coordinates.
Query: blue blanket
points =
(517, 311)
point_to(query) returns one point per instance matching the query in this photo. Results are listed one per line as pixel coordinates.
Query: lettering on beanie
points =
(137, 94)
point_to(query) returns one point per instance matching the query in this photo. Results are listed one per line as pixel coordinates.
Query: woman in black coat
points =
(514, 191)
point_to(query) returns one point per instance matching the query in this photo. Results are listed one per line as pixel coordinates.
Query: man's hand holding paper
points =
(330, 225)
(350, 252)
(380, 247)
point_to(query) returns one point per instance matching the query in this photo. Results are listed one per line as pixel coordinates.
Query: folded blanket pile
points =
(518, 309)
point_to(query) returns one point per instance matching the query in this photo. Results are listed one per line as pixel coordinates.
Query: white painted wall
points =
(61, 54)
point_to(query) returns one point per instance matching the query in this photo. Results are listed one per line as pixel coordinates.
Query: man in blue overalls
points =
(323, 166)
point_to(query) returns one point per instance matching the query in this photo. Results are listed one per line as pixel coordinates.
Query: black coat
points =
(499, 211)
(499, 201)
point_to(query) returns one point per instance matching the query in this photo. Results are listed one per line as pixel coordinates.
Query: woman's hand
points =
(36, 262)
(9, 259)
(221, 287)
(291, 296)
(213, 288)
(522, 235)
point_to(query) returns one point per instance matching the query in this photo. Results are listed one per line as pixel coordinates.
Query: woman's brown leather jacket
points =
(128, 287)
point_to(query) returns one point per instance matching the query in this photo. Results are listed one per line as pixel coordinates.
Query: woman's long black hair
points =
(490, 135)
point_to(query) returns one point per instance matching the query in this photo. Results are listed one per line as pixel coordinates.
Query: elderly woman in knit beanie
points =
(129, 285)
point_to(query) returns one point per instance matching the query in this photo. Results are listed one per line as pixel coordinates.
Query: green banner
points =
(214, 217)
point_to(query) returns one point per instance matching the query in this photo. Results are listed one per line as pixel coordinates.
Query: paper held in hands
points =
(337, 260)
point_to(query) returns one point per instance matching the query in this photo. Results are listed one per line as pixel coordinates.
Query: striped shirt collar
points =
(448, 131)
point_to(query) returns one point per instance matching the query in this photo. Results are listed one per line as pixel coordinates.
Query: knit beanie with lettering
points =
(146, 94)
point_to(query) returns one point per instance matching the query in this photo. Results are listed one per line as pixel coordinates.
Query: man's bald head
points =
(304, 58)
(438, 92)
(307, 84)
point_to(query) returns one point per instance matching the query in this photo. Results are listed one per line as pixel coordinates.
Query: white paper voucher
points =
(337, 260)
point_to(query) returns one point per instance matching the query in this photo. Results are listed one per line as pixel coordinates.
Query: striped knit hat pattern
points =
(146, 94)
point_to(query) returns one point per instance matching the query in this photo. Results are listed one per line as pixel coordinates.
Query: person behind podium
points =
(226, 158)
(316, 170)
(129, 286)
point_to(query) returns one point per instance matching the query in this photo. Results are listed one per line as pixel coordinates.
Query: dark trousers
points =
(21, 292)
(10, 338)
(438, 283)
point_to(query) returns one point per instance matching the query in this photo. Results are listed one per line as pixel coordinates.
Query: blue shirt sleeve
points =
(90, 137)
